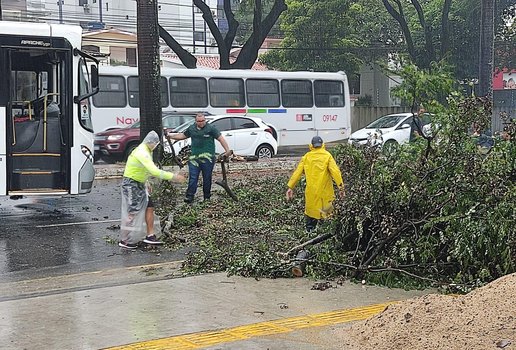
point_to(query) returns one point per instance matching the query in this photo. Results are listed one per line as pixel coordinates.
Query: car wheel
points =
(390, 147)
(109, 159)
(129, 149)
(264, 151)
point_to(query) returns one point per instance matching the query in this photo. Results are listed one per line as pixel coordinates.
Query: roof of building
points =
(208, 61)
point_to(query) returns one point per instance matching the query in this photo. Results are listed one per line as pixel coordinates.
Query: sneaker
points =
(188, 200)
(127, 245)
(152, 239)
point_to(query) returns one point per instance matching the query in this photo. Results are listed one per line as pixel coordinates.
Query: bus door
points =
(333, 119)
(296, 120)
(37, 123)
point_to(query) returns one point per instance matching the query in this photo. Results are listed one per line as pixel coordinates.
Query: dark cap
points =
(317, 141)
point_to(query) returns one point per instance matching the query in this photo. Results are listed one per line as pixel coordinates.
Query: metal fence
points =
(361, 116)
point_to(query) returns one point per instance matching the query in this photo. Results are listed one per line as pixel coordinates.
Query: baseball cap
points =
(317, 141)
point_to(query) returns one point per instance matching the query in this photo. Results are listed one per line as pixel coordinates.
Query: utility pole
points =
(0, 10)
(486, 50)
(148, 67)
(100, 11)
(60, 4)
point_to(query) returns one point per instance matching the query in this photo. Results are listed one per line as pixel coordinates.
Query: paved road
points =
(50, 236)
(64, 284)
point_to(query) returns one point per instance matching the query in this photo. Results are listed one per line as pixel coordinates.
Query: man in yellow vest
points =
(319, 168)
(138, 221)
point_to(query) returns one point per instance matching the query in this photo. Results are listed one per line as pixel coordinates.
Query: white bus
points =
(45, 120)
(298, 105)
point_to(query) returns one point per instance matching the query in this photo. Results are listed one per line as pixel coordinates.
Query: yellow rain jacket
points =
(319, 168)
(140, 166)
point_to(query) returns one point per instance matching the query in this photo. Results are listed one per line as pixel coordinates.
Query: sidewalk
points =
(147, 308)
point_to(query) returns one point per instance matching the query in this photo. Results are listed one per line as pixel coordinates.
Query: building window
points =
(130, 54)
(198, 36)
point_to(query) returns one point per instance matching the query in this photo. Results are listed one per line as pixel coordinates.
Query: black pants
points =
(310, 223)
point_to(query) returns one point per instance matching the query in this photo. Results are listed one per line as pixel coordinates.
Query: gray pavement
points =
(151, 309)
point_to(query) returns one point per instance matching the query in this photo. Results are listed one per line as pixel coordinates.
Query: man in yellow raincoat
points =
(138, 220)
(319, 168)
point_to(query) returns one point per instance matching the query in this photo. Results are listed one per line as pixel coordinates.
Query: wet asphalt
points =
(41, 237)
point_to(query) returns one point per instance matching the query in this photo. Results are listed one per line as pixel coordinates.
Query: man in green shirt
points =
(202, 159)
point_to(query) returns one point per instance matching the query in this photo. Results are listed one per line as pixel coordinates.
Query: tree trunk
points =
(148, 67)
(485, 75)
(445, 28)
(249, 53)
(400, 18)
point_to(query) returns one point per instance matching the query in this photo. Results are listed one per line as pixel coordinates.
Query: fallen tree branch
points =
(312, 241)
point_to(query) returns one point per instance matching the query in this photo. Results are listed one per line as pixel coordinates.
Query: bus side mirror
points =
(94, 77)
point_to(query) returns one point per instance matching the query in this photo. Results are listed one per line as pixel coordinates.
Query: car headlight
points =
(115, 137)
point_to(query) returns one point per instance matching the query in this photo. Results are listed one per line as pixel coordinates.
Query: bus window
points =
(112, 92)
(133, 87)
(329, 93)
(24, 85)
(262, 92)
(227, 92)
(84, 105)
(188, 92)
(296, 93)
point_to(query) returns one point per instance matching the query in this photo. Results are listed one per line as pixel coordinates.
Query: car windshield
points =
(388, 121)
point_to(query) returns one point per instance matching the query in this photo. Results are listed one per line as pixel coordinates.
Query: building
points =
(180, 18)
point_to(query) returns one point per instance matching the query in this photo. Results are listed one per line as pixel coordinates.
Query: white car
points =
(390, 130)
(246, 136)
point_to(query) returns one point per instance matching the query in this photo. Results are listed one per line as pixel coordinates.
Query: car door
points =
(247, 135)
(224, 126)
(402, 133)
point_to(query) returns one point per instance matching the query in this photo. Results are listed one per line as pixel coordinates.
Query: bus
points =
(45, 112)
(297, 105)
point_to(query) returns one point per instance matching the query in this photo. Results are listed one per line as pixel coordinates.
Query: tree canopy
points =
(319, 36)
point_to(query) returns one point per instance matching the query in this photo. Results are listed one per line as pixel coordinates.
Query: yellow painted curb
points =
(210, 338)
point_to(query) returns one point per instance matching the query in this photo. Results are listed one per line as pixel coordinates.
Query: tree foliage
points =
(442, 208)
(319, 36)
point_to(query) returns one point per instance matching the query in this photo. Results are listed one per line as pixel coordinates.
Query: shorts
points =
(135, 194)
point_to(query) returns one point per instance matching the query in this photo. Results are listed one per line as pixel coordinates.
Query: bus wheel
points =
(264, 151)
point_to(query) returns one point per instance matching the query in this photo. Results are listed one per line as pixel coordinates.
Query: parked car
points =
(246, 136)
(392, 130)
(116, 144)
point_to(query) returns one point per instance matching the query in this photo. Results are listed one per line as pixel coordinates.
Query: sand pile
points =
(482, 319)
